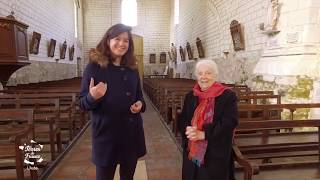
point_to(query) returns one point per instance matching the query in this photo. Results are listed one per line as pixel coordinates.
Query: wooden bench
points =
(273, 139)
(67, 108)
(16, 128)
(283, 149)
(46, 120)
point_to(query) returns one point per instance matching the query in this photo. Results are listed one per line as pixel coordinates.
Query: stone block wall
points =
(53, 19)
(210, 21)
(153, 24)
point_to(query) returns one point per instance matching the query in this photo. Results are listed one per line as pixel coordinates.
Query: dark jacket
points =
(116, 132)
(218, 161)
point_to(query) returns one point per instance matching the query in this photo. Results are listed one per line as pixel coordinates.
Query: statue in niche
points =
(274, 12)
(173, 53)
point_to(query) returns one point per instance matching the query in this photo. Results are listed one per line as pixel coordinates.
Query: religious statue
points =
(274, 15)
(173, 52)
(169, 54)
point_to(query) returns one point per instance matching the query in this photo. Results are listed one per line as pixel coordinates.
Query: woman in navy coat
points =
(206, 124)
(111, 90)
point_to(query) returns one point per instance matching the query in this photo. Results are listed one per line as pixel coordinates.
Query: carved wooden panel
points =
(21, 43)
(7, 49)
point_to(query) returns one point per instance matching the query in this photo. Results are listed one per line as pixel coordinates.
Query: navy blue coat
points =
(218, 159)
(117, 134)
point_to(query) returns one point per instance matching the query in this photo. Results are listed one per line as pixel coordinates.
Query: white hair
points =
(209, 63)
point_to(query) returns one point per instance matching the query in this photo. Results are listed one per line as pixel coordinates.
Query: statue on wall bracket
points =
(274, 12)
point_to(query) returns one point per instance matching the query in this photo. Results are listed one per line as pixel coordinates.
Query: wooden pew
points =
(16, 128)
(280, 145)
(46, 119)
(67, 107)
(274, 140)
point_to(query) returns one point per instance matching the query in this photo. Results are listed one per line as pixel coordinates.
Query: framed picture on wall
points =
(163, 57)
(237, 35)
(35, 42)
(52, 46)
(182, 54)
(152, 59)
(71, 52)
(63, 50)
(189, 51)
(200, 48)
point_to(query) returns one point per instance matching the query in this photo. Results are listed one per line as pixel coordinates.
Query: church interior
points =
(267, 53)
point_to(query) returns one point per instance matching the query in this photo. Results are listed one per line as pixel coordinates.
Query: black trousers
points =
(127, 169)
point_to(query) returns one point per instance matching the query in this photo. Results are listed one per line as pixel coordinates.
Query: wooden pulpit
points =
(13, 47)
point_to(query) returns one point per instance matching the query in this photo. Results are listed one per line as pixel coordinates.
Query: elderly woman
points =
(207, 123)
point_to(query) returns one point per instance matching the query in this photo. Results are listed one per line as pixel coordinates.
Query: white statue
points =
(274, 15)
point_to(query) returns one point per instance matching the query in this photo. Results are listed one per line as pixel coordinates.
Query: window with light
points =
(129, 12)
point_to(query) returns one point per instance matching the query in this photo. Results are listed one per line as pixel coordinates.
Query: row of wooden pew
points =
(45, 113)
(270, 134)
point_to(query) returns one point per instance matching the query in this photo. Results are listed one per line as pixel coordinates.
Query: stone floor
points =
(162, 162)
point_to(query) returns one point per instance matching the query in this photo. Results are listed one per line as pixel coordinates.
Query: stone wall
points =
(53, 19)
(39, 71)
(210, 21)
(153, 25)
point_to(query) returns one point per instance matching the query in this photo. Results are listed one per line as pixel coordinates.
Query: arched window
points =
(129, 12)
(76, 6)
(176, 11)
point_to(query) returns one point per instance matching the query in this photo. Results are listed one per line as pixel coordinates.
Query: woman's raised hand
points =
(97, 91)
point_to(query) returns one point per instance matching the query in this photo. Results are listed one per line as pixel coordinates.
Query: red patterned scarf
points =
(203, 114)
